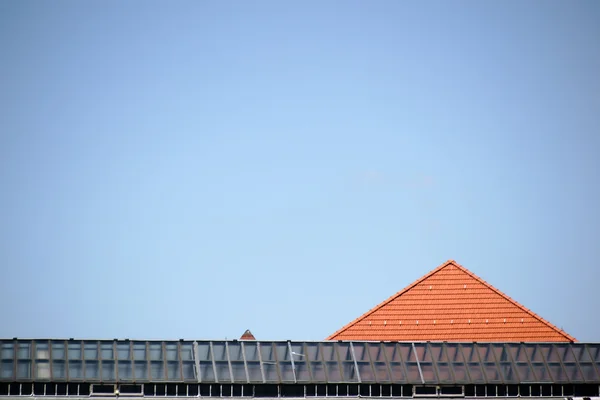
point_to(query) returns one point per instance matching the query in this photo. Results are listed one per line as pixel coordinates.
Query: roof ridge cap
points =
(393, 297)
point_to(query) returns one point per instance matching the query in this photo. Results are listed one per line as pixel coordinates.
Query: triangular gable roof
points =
(451, 303)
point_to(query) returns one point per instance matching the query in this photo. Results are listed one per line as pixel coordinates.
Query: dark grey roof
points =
(282, 362)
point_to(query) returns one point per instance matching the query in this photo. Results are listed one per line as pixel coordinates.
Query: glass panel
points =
(508, 372)
(171, 351)
(412, 371)
(475, 372)
(140, 369)
(470, 353)
(444, 373)
(58, 351)
(594, 350)
(564, 352)
(92, 370)
(173, 372)
(549, 352)
(24, 350)
(287, 372)
(349, 372)
(206, 371)
(437, 352)
(541, 372)
(283, 352)
(42, 370)
(6, 369)
(235, 352)
(408, 353)
(525, 373)
(123, 352)
(139, 351)
(157, 370)
(328, 352)
(460, 373)
(74, 351)
(360, 351)
(534, 353)
(223, 371)
(422, 353)
(108, 370)
(382, 374)
(90, 351)
(251, 352)
(517, 352)
(333, 372)
(188, 369)
(558, 373)
(485, 353)
(344, 351)
(302, 374)
(312, 352)
(125, 370)
(398, 372)
(366, 372)
(454, 353)
(186, 351)
(59, 370)
(428, 372)
(589, 372)
(500, 352)
(492, 373)
(266, 352)
(270, 369)
(375, 351)
(75, 368)
(239, 371)
(155, 350)
(581, 353)
(42, 351)
(391, 352)
(106, 351)
(254, 374)
(318, 371)
(573, 372)
(7, 351)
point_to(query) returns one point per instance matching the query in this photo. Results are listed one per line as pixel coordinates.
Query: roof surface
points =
(451, 303)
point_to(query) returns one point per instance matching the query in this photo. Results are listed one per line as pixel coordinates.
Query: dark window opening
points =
(160, 390)
(61, 389)
(451, 390)
(26, 389)
(386, 390)
(470, 390)
(3, 389)
(292, 391)
(130, 389)
(352, 390)
(425, 391)
(321, 390)
(535, 390)
(192, 390)
(311, 390)
(204, 390)
(364, 390)
(547, 390)
(171, 389)
(375, 390)
(149, 389)
(524, 390)
(266, 391)
(512, 390)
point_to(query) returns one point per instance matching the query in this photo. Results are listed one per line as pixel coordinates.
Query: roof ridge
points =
(393, 297)
(516, 303)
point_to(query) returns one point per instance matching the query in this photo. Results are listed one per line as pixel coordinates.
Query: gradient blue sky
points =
(192, 169)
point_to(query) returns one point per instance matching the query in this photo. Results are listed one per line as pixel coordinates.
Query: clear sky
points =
(192, 169)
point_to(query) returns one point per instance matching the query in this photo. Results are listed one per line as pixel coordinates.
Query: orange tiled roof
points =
(451, 304)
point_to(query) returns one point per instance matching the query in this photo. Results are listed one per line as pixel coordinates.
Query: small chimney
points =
(247, 335)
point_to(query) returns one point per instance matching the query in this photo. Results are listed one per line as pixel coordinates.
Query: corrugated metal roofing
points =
(451, 304)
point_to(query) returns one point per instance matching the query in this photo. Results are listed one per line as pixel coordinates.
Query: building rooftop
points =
(451, 303)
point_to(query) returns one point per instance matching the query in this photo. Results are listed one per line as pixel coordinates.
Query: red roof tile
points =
(451, 304)
(247, 335)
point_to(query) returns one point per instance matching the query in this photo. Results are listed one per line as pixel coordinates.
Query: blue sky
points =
(194, 169)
